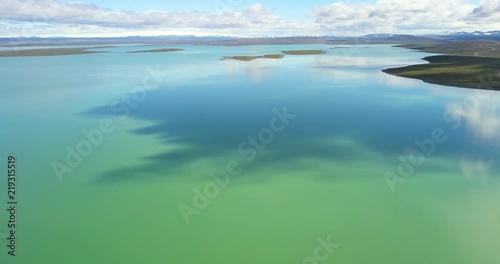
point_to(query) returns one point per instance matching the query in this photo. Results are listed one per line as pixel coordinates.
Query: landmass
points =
(274, 56)
(476, 48)
(251, 58)
(303, 52)
(466, 60)
(47, 52)
(469, 64)
(458, 71)
(155, 50)
(219, 40)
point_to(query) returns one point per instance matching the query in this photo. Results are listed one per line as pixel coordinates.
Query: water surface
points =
(323, 175)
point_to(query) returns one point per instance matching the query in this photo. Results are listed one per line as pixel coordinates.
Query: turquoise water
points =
(173, 120)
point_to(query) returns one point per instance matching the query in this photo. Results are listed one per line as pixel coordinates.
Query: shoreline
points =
(458, 66)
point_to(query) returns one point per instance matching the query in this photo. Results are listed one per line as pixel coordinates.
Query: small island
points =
(251, 58)
(47, 52)
(304, 52)
(155, 51)
(274, 56)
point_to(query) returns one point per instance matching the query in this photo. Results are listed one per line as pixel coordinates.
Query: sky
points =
(245, 18)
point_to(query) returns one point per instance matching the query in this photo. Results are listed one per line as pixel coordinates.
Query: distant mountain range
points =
(238, 41)
(475, 33)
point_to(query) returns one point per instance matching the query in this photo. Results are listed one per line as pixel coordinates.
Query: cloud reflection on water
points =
(481, 118)
(209, 115)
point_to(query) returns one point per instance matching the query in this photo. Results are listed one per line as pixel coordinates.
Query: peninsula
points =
(468, 64)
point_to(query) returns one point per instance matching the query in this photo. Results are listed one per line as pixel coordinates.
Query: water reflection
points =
(207, 118)
(480, 115)
(482, 119)
(476, 170)
(255, 71)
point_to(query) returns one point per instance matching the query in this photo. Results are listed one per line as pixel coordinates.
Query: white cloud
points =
(90, 14)
(486, 13)
(53, 17)
(395, 16)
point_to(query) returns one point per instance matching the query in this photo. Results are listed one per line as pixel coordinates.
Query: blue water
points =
(393, 170)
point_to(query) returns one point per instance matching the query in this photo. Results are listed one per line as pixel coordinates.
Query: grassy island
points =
(460, 71)
(156, 51)
(251, 58)
(303, 52)
(47, 52)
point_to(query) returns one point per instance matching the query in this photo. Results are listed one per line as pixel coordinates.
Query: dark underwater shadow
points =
(213, 119)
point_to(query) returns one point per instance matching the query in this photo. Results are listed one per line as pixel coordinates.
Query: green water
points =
(322, 175)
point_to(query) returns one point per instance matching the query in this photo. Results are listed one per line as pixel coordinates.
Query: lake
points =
(180, 157)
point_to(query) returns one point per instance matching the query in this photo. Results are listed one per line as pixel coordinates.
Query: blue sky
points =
(249, 18)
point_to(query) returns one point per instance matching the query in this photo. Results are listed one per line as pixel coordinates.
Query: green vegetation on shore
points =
(47, 52)
(476, 48)
(303, 52)
(251, 58)
(460, 71)
(155, 50)
(467, 64)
